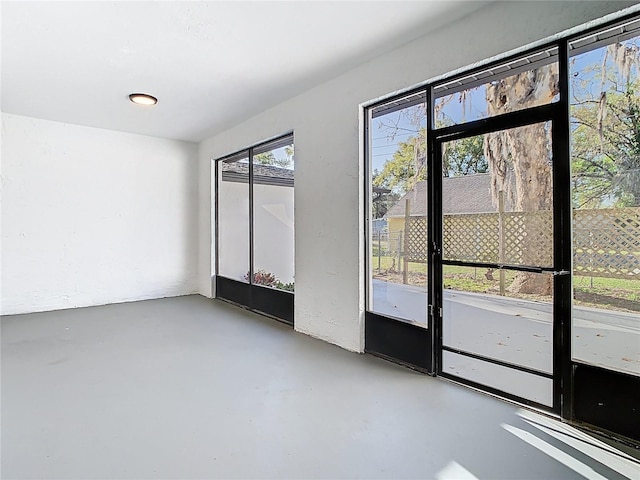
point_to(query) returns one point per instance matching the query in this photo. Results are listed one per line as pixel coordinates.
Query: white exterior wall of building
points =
(273, 230)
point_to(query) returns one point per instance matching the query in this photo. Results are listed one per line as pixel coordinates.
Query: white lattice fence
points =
(471, 237)
(527, 238)
(606, 241)
(416, 241)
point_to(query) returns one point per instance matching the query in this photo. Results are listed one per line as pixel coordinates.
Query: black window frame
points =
(268, 301)
(391, 338)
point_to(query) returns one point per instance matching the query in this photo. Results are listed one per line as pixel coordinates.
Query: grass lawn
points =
(608, 293)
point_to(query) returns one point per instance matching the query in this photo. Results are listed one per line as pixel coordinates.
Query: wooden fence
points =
(606, 242)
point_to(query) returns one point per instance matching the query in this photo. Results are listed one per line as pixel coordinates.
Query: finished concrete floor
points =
(189, 387)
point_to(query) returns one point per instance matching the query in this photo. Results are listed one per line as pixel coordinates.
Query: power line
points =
(394, 135)
(395, 148)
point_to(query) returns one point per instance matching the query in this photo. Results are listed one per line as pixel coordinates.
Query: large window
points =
(605, 183)
(233, 217)
(398, 222)
(273, 237)
(503, 227)
(255, 228)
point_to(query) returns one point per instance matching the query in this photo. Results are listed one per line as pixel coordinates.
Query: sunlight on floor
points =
(578, 440)
(455, 471)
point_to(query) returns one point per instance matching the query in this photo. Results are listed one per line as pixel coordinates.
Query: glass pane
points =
(273, 235)
(605, 178)
(514, 327)
(502, 89)
(398, 207)
(233, 219)
(497, 197)
(522, 384)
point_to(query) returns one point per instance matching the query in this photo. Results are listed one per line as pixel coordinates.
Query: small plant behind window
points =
(286, 286)
(268, 279)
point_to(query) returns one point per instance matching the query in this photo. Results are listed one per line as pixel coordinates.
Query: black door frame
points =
(542, 114)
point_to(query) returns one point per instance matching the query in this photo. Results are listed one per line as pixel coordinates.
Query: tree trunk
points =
(520, 160)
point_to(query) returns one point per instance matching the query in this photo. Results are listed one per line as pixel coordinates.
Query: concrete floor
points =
(194, 388)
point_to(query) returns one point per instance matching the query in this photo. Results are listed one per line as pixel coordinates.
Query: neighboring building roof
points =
(467, 194)
(463, 194)
(418, 198)
(262, 174)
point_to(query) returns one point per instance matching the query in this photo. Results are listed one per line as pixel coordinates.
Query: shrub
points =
(285, 286)
(263, 278)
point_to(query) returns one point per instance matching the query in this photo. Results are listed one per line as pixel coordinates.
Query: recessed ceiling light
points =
(143, 99)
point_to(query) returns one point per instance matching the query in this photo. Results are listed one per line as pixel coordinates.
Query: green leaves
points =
(407, 166)
(605, 149)
(464, 157)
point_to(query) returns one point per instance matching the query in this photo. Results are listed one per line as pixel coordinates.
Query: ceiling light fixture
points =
(143, 99)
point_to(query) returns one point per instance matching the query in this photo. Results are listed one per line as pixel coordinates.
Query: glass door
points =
(503, 228)
(497, 262)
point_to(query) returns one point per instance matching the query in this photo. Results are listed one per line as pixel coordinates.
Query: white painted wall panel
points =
(273, 246)
(233, 237)
(329, 227)
(273, 230)
(92, 216)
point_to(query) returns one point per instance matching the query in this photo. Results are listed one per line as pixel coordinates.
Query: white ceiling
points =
(211, 64)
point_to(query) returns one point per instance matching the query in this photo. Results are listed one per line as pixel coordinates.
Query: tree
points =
(269, 158)
(383, 199)
(606, 158)
(266, 158)
(525, 152)
(605, 144)
(522, 157)
(605, 115)
(408, 164)
(464, 157)
(605, 141)
(406, 168)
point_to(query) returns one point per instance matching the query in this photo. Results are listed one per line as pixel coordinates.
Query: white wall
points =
(92, 216)
(329, 302)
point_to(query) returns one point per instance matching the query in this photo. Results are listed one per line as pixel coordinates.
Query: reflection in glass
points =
(398, 208)
(273, 235)
(233, 218)
(605, 180)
